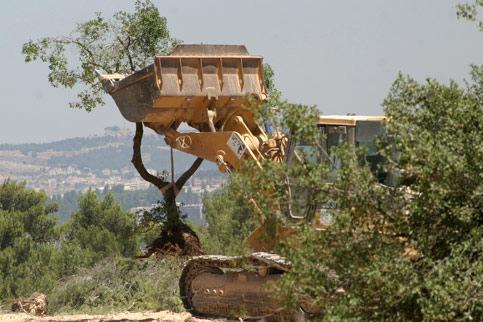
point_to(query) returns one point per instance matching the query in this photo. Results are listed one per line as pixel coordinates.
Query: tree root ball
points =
(177, 242)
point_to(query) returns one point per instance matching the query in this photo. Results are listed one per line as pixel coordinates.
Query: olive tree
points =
(124, 43)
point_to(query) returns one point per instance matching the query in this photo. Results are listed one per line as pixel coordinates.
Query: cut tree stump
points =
(36, 304)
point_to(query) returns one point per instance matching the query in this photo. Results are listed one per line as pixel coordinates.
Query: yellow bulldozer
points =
(208, 87)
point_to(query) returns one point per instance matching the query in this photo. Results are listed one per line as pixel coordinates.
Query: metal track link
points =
(269, 259)
(237, 262)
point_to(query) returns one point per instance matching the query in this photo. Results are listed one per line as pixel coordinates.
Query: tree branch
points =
(158, 182)
(126, 48)
(137, 160)
(85, 49)
(188, 173)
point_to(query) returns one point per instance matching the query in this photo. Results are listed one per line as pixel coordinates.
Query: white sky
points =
(341, 55)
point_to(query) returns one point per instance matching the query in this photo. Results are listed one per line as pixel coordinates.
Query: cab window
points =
(366, 134)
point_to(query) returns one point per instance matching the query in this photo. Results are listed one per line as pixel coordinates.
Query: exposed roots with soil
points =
(181, 241)
(176, 238)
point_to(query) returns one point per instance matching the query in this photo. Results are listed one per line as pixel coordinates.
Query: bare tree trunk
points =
(137, 161)
(173, 226)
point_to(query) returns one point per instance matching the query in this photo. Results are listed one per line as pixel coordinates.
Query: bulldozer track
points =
(260, 304)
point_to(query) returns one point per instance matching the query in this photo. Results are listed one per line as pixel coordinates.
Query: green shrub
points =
(120, 284)
(413, 252)
(229, 222)
(35, 253)
(102, 227)
(27, 236)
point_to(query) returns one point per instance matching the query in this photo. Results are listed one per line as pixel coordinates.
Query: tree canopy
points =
(412, 251)
(122, 44)
(35, 252)
(102, 227)
(471, 11)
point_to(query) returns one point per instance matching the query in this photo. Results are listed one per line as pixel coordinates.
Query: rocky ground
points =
(162, 316)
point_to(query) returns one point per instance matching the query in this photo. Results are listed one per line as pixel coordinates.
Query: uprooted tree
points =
(123, 44)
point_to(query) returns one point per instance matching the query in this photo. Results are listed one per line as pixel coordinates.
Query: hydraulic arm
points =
(208, 87)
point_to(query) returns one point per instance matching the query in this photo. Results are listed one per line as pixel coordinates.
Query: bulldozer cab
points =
(360, 131)
(336, 131)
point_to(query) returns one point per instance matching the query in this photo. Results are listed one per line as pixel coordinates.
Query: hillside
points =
(68, 167)
(90, 162)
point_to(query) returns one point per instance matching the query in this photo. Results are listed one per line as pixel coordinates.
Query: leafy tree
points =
(471, 11)
(34, 252)
(229, 222)
(408, 253)
(35, 255)
(103, 228)
(411, 252)
(122, 44)
(266, 186)
(27, 234)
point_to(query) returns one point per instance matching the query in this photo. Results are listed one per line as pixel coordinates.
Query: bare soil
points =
(162, 316)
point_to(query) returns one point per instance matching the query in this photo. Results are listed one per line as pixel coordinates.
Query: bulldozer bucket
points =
(183, 85)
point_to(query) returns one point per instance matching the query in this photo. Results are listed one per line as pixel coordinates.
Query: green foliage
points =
(120, 284)
(161, 214)
(407, 253)
(437, 130)
(103, 228)
(229, 222)
(35, 253)
(27, 233)
(230, 213)
(471, 11)
(273, 94)
(269, 186)
(299, 121)
(122, 44)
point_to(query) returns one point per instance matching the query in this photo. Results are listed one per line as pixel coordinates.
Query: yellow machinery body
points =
(208, 87)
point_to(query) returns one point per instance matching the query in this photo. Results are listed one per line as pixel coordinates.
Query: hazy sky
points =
(341, 55)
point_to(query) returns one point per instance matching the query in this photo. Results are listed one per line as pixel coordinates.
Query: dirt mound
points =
(180, 242)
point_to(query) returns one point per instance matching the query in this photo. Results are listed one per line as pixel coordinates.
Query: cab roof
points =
(350, 120)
